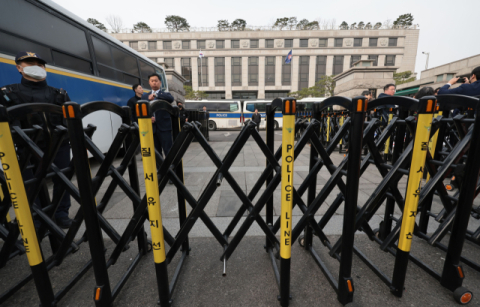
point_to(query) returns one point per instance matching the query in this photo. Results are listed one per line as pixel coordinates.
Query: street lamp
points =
(428, 55)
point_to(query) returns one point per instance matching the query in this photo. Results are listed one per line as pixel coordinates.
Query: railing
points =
(263, 28)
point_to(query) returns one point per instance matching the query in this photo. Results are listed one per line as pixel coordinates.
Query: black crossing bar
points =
(452, 275)
(345, 282)
(102, 291)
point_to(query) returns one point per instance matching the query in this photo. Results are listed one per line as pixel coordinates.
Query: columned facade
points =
(250, 64)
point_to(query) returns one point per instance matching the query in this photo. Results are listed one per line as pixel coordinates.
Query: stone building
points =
(251, 64)
(440, 75)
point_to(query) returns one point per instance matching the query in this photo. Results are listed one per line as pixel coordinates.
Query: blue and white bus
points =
(224, 114)
(250, 106)
(85, 61)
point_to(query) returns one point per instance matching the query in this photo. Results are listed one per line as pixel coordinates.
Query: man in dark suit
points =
(469, 88)
(138, 90)
(388, 91)
(256, 118)
(162, 124)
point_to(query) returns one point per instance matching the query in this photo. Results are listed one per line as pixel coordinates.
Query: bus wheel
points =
(275, 125)
(212, 125)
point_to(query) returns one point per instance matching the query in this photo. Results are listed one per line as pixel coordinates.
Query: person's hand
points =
(153, 119)
(186, 119)
(466, 80)
(453, 80)
(151, 97)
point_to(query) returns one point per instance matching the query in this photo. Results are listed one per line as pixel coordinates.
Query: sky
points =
(447, 28)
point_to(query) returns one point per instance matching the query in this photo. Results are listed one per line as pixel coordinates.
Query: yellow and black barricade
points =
(288, 144)
(427, 107)
(153, 197)
(18, 196)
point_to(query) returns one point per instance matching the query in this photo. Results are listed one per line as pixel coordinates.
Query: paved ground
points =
(250, 280)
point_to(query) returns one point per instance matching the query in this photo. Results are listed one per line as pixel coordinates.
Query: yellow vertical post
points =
(288, 144)
(387, 143)
(18, 196)
(417, 168)
(328, 128)
(433, 143)
(153, 199)
(341, 124)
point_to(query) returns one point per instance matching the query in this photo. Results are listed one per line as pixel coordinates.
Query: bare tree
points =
(333, 23)
(115, 23)
(325, 24)
(388, 24)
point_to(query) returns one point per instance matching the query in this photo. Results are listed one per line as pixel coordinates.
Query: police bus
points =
(224, 114)
(250, 106)
(85, 61)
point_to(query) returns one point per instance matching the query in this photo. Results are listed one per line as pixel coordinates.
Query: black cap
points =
(23, 55)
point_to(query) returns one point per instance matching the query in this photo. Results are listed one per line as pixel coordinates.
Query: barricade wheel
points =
(462, 295)
(211, 125)
(301, 241)
(275, 125)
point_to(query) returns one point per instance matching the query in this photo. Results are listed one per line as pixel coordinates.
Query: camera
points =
(461, 80)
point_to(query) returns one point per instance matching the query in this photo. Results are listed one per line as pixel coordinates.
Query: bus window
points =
(67, 61)
(233, 107)
(61, 35)
(223, 107)
(261, 107)
(10, 44)
(145, 70)
(250, 107)
(124, 62)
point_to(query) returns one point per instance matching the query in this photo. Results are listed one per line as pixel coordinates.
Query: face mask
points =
(35, 72)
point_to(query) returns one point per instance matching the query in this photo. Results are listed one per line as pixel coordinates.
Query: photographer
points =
(468, 88)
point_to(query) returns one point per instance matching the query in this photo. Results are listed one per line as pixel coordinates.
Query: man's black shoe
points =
(64, 223)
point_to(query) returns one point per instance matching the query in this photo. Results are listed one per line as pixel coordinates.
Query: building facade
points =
(438, 76)
(251, 64)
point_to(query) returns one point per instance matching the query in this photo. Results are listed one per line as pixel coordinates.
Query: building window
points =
(339, 42)
(286, 72)
(152, 45)
(254, 43)
(153, 59)
(322, 42)
(187, 71)
(167, 45)
(357, 42)
(201, 44)
(373, 42)
(390, 60)
(273, 95)
(253, 71)
(269, 43)
(270, 70)
(235, 44)
(354, 58)
(392, 42)
(244, 95)
(288, 43)
(202, 71)
(215, 95)
(337, 64)
(321, 67)
(303, 71)
(185, 44)
(237, 71)
(439, 78)
(304, 43)
(219, 71)
(170, 62)
(134, 45)
(220, 44)
(450, 76)
(374, 58)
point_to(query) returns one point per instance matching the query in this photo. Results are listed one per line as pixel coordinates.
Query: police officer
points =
(33, 88)
(182, 114)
